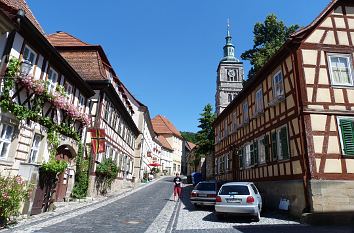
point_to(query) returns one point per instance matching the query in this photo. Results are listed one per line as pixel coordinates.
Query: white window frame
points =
(350, 68)
(69, 91)
(52, 84)
(33, 156)
(245, 112)
(259, 101)
(81, 102)
(278, 92)
(261, 150)
(247, 155)
(30, 50)
(5, 140)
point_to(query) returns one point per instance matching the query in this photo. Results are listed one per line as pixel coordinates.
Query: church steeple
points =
(229, 48)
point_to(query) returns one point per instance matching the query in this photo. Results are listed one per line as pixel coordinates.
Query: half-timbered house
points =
(110, 109)
(291, 129)
(35, 119)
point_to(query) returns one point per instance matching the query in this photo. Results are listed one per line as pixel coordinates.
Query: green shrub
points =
(106, 173)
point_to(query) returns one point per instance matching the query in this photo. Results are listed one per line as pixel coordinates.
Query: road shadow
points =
(292, 228)
(186, 191)
(229, 218)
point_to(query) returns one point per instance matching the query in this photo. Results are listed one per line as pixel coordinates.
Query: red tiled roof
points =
(162, 125)
(15, 5)
(164, 142)
(191, 145)
(65, 39)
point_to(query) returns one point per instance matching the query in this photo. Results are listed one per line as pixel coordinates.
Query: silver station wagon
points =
(204, 193)
(239, 198)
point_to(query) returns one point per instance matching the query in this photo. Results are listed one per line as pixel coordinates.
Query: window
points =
(255, 190)
(52, 79)
(253, 153)
(259, 101)
(81, 102)
(283, 147)
(69, 90)
(5, 140)
(35, 148)
(347, 135)
(247, 155)
(106, 111)
(278, 86)
(234, 190)
(261, 150)
(245, 112)
(340, 69)
(29, 55)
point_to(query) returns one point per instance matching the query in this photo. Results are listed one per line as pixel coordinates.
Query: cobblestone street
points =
(155, 211)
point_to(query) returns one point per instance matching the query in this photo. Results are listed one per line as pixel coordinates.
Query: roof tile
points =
(162, 125)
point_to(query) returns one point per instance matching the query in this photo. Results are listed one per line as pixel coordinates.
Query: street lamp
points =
(25, 68)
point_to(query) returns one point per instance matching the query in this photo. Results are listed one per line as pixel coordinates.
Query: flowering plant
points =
(13, 191)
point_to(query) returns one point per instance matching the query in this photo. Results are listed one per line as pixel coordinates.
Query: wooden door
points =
(62, 184)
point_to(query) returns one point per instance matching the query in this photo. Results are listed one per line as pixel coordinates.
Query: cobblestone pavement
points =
(151, 208)
(202, 219)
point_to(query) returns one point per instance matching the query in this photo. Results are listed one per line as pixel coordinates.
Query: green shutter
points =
(252, 154)
(274, 146)
(284, 142)
(241, 157)
(347, 128)
(266, 147)
(255, 152)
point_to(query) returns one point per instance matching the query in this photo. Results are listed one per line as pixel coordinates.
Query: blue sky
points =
(167, 51)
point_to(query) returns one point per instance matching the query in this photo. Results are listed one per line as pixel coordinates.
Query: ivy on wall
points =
(34, 114)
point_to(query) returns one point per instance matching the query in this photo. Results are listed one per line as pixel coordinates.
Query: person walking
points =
(177, 190)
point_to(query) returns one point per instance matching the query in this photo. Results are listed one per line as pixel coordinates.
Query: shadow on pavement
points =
(281, 228)
(186, 190)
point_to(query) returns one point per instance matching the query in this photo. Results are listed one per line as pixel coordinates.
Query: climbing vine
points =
(38, 87)
(82, 175)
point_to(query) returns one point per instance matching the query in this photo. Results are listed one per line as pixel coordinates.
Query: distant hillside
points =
(189, 136)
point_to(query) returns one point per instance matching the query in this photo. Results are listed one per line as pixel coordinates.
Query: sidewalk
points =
(65, 209)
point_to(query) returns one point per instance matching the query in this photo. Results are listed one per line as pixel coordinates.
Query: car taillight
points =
(211, 195)
(250, 199)
(193, 194)
(218, 199)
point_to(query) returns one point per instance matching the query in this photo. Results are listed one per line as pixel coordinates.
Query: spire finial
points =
(228, 26)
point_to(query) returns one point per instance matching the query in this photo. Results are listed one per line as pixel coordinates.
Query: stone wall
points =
(332, 195)
(273, 191)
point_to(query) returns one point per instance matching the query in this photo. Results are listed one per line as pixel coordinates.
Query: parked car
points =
(238, 198)
(204, 193)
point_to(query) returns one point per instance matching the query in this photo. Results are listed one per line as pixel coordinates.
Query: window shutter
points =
(347, 128)
(284, 142)
(255, 152)
(274, 145)
(266, 147)
(241, 157)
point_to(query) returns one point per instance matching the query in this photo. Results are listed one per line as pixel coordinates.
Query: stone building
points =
(230, 74)
(291, 129)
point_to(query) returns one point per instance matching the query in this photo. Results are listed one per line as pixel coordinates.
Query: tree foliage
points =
(269, 36)
(189, 136)
(205, 136)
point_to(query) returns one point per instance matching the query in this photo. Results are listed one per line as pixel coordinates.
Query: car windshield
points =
(234, 190)
(205, 186)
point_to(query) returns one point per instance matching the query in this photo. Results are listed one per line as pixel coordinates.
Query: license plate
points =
(234, 200)
(202, 195)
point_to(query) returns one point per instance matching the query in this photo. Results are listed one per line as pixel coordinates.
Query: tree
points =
(189, 136)
(205, 136)
(268, 38)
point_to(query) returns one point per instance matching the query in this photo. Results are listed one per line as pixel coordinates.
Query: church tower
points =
(229, 76)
